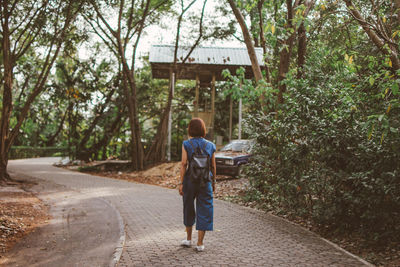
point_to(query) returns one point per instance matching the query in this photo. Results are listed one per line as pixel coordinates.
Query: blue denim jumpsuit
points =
(203, 195)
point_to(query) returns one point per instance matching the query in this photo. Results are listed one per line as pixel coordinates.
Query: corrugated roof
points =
(205, 55)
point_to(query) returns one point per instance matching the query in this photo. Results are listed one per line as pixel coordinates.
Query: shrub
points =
(318, 158)
(21, 152)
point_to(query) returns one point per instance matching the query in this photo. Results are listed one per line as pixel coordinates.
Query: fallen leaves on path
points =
(20, 213)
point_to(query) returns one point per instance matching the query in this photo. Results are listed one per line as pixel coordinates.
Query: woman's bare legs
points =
(189, 232)
(201, 237)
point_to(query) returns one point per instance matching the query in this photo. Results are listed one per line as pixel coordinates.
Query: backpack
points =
(199, 165)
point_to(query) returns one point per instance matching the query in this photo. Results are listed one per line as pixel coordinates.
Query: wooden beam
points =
(189, 71)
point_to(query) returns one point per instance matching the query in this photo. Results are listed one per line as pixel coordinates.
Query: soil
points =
(21, 212)
(227, 188)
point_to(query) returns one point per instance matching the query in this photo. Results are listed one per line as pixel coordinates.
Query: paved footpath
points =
(152, 217)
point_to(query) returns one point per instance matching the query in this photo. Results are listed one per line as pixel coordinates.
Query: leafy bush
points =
(329, 155)
(22, 152)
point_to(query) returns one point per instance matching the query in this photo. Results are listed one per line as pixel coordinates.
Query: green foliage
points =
(22, 152)
(331, 152)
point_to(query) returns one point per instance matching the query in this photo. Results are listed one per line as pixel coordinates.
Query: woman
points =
(190, 190)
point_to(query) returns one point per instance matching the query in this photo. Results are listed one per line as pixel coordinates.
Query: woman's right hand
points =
(181, 189)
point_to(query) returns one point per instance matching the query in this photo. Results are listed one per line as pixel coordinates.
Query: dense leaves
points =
(331, 151)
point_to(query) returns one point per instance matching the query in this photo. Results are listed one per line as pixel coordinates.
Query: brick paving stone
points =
(154, 226)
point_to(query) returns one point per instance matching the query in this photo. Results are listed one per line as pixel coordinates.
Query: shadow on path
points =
(153, 226)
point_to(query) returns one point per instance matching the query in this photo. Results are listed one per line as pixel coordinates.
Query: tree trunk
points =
(262, 38)
(4, 176)
(253, 13)
(108, 133)
(397, 6)
(51, 140)
(7, 93)
(104, 153)
(9, 57)
(156, 153)
(129, 83)
(247, 39)
(88, 132)
(302, 50)
(136, 144)
(285, 54)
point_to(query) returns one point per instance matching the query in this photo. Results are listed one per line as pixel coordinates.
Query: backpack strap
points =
(202, 150)
(194, 149)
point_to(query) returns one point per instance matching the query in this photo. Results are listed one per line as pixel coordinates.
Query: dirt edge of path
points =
(21, 213)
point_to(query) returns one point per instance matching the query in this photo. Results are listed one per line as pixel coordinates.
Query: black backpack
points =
(199, 165)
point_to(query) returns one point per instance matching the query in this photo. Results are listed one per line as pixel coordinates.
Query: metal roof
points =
(205, 55)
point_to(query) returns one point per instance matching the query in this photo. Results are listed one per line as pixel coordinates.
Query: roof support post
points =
(240, 114)
(230, 116)
(212, 105)
(172, 81)
(196, 101)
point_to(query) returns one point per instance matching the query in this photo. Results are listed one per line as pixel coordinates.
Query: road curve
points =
(152, 217)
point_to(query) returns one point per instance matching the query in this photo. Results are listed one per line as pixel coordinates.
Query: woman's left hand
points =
(181, 189)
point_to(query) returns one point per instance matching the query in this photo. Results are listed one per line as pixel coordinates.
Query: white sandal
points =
(186, 243)
(199, 248)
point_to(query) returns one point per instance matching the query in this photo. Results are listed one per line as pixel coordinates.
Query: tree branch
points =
(99, 15)
(200, 34)
(375, 38)
(247, 39)
(44, 73)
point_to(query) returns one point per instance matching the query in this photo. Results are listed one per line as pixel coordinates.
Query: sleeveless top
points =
(199, 142)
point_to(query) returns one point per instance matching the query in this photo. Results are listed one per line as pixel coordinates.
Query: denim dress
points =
(202, 215)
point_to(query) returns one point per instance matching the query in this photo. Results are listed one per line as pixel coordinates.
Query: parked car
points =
(233, 156)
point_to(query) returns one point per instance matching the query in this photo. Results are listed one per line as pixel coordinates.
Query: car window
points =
(228, 147)
(238, 146)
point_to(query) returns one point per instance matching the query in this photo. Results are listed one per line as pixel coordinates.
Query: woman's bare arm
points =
(183, 163)
(213, 167)
(214, 171)
(183, 169)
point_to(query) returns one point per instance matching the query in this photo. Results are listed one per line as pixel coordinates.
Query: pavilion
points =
(205, 66)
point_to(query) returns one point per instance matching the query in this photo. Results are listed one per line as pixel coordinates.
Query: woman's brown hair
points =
(197, 128)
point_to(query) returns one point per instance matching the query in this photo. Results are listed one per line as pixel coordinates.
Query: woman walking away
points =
(197, 182)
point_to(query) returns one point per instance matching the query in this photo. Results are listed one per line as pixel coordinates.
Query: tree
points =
(132, 20)
(290, 31)
(89, 88)
(24, 25)
(378, 31)
(287, 44)
(156, 152)
(248, 41)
